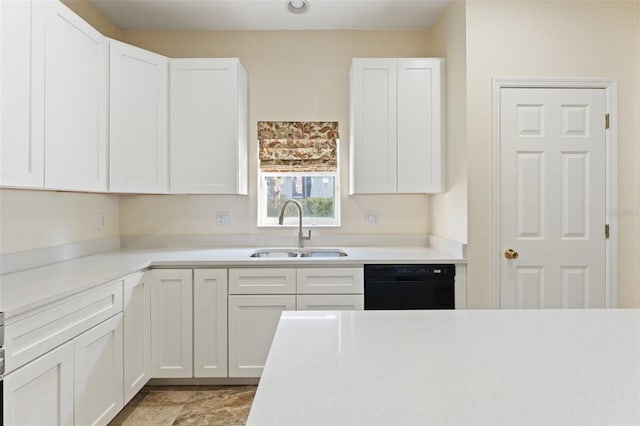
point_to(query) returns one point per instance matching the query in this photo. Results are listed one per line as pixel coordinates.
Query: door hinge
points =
(607, 119)
(606, 231)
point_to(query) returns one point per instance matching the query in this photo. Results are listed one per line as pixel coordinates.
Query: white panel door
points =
(41, 392)
(420, 126)
(21, 141)
(252, 324)
(553, 177)
(210, 323)
(171, 323)
(137, 333)
(98, 373)
(138, 120)
(373, 126)
(207, 140)
(75, 80)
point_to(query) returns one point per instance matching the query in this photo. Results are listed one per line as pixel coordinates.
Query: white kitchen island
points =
(507, 367)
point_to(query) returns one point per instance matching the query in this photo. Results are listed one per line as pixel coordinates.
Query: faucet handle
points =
(308, 237)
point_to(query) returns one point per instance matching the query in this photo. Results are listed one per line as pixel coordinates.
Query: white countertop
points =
(21, 291)
(452, 368)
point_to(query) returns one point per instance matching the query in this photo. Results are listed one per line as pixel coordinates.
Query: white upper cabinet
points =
(208, 126)
(75, 100)
(21, 144)
(138, 120)
(373, 126)
(397, 126)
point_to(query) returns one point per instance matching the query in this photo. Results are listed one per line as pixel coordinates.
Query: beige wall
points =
(94, 17)
(448, 40)
(293, 75)
(37, 219)
(596, 39)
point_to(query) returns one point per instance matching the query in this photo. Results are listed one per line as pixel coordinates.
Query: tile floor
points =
(188, 405)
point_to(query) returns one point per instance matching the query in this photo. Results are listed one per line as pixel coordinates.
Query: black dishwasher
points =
(409, 287)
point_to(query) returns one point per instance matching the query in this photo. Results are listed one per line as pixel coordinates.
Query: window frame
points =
(292, 220)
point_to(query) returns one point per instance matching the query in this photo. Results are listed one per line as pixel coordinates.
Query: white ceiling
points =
(270, 14)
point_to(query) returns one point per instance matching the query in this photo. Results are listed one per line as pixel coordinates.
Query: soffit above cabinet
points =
(216, 15)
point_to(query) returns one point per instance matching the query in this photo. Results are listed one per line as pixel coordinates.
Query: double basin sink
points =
(298, 252)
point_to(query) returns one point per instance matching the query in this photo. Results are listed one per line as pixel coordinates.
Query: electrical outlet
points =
(102, 220)
(371, 217)
(223, 218)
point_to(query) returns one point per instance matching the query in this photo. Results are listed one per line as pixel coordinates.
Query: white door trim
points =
(611, 136)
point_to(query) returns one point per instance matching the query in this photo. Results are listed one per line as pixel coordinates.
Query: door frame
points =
(611, 197)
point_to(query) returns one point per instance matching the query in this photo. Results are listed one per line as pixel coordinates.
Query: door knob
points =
(511, 254)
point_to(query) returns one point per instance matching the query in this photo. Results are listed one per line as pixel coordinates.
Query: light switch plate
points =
(371, 217)
(223, 218)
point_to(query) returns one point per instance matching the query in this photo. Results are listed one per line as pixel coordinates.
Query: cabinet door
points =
(171, 323)
(210, 323)
(21, 141)
(41, 392)
(137, 333)
(252, 324)
(138, 139)
(330, 281)
(330, 302)
(373, 126)
(208, 143)
(420, 126)
(98, 373)
(75, 101)
(262, 281)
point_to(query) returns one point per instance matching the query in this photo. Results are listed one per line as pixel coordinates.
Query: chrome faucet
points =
(301, 237)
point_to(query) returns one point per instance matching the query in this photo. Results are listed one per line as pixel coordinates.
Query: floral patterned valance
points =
(298, 146)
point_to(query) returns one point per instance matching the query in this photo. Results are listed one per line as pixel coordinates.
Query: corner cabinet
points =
(397, 126)
(74, 74)
(208, 126)
(138, 119)
(137, 333)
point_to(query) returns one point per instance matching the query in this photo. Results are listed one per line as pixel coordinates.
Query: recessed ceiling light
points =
(297, 6)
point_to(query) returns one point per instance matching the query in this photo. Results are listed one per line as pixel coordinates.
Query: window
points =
(299, 161)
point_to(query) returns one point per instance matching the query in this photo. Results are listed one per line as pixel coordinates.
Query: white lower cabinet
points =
(258, 296)
(79, 382)
(188, 323)
(137, 333)
(98, 373)
(41, 392)
(210, 323)
(172, 323)
(252, 324)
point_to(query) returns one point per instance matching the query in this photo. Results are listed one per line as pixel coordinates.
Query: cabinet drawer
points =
(36, 332)
(262, 281)
(330, 281)
(330, 302)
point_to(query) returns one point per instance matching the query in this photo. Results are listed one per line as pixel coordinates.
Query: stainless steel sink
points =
(289, 253)
(323, 253)
(275, 253)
